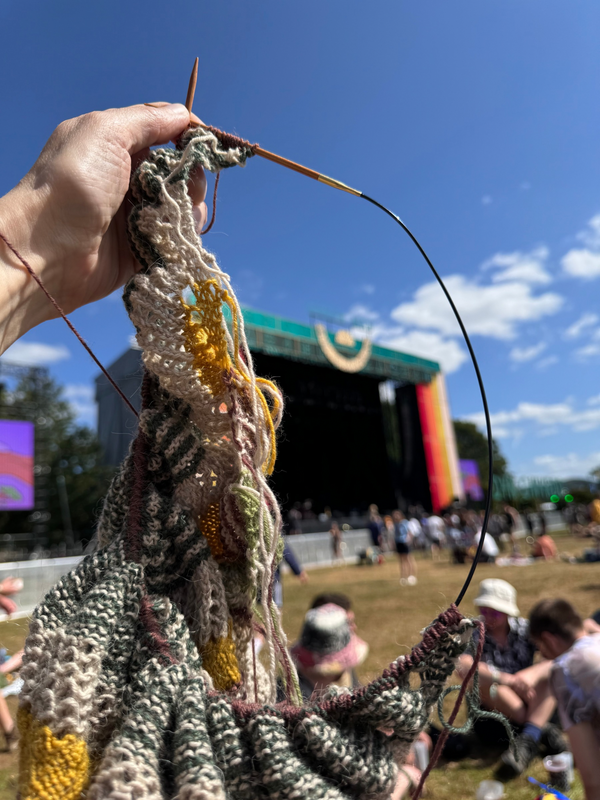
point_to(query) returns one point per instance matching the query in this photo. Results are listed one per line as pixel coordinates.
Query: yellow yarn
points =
(206, 340)
(205, 335)
(219, 660)
(50, 768)
(210, 525)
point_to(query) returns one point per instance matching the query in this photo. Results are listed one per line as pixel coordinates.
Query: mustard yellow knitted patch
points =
(205, 335)
(50, 768)
(219, 660)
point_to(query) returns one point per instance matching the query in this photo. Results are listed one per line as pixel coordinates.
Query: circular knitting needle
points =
(311, 173)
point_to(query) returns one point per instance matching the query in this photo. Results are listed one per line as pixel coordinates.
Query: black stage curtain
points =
(414, 481)
(331, 447)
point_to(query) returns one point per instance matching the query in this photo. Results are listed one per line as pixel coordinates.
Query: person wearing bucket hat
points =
(509, 681)
(326, 654)
(328, 650)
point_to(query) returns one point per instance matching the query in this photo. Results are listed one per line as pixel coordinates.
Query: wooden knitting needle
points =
(259, 151)
(189, 100)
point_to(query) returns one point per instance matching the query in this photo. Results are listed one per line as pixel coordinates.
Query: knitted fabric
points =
(140, 676)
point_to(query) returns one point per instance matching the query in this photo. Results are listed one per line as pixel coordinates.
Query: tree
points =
(472, 444)
(68, 459)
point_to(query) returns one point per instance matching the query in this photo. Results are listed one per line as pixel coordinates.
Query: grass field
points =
(389, 617)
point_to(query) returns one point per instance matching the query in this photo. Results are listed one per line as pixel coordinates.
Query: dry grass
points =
(390, 618)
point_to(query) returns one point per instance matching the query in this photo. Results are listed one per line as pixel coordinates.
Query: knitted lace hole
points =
(415, 680)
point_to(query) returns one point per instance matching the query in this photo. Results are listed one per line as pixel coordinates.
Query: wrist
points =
(22, 303)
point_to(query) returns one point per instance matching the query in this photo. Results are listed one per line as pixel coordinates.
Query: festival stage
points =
(363, 423)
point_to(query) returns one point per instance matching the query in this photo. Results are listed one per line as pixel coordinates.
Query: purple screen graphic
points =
(16, 465)
(469, 472)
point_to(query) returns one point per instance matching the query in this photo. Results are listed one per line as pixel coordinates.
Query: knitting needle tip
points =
(189, 100)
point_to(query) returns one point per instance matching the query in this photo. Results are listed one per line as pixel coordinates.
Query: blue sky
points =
(476, 122)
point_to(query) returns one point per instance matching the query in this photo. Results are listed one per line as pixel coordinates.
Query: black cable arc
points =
(488, 422)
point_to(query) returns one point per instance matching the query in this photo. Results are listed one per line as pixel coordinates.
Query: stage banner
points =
(469, 471)
(16, 465)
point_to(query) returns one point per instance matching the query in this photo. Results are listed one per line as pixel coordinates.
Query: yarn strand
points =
(72, 327)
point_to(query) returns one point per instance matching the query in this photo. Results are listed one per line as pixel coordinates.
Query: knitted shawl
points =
(140, 675)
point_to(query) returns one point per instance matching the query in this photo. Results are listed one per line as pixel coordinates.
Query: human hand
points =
(303, 577)
(11, 585)
(68, 215)
(408, 779)
(7, 605)
(519, 686)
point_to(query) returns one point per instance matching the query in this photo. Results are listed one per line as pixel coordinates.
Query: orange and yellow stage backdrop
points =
(439, 443)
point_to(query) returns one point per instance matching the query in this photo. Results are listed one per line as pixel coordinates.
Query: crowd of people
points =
(457, 531)
(541, 673)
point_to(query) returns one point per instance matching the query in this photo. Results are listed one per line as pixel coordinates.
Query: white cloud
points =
(584, 322)
(447, 352)
(567, 466)
(590, 236)
(522, 354)
(589, 351)
(492, 311)
(486, 200)
(582, 264)
(546, 362)
(585, 262)
(81, 397)
(594, 401)
(361, 313)
(36, 354)
(521, 267)
(542, 416)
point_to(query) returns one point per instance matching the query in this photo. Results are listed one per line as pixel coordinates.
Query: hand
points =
(11, 585)
(519, 686)
(408, 779)
(303, 577)
(68, 215)
(7, 605)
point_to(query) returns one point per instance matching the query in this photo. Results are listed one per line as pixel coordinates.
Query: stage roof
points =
(281, 337)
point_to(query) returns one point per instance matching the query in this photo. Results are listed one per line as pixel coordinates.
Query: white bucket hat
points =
(499, 595)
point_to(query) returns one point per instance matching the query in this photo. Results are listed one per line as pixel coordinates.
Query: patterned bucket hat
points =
(327, 644)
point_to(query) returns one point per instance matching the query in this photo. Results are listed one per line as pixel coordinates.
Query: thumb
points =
(143, 126)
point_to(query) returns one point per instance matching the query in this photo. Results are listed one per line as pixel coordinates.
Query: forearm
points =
(487, 674)
(22, 303)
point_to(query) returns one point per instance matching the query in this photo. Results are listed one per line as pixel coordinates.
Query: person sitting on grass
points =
(544, 547)
(326, 655)
(560, 634)
(509, 681)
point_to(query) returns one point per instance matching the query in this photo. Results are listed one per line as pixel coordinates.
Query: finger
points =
(144, 126)
(197, 186)
(200, 213)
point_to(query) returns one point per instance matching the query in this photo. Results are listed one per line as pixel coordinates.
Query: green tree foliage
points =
(64, 451)
(472, 444)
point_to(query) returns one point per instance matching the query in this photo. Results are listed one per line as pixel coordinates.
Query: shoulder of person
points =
(519, 625)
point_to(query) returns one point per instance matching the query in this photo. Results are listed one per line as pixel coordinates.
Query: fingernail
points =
(157, 105)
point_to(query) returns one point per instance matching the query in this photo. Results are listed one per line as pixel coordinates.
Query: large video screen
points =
(469, 472)
(16, 465)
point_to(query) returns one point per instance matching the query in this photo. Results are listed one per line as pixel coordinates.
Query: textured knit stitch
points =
(140, 676)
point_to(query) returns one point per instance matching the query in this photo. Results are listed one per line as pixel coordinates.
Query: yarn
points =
(51, 768)
(140, 675)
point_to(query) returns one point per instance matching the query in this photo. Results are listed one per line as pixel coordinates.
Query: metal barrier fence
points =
(314, 549)
(38, 577)
(311, 550)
